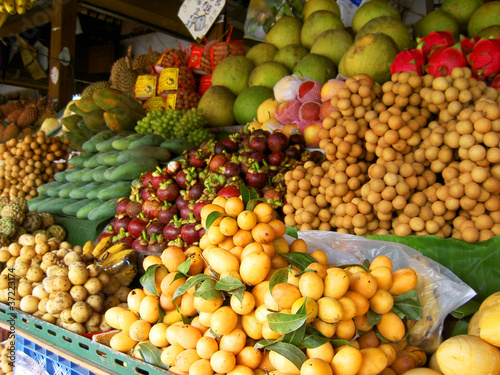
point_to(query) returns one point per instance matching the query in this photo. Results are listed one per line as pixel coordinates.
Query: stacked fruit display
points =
(29, 163)
(101, 175)
(58, 283)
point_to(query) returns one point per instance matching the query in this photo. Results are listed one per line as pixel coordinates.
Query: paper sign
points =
(199, 15)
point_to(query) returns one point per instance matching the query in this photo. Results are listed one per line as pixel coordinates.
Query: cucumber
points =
(102, 185)
(66, 189)
(98, 173)
(77, 176)
(159, 153)
(177, 146)
(81, 192)
(90, 145)
(46, 203)
(34, 202)
(92, 162)
(87, 177)
(54, 190)
(55, 207)
(111, 158)
(106, 145)
(79, 160)
(72, 208)
(42, 189)
(103, 155)
(83, 212)
(117, 190)
(122, 144)
(131, 169)
(70, 177)
(61, 176)
(104, 211)
(147, 140)
(107, 173)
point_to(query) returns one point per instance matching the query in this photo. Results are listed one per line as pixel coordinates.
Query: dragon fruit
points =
(484, 59)
(412, 59)
(467, 45)
(443, 59)
(435, 39)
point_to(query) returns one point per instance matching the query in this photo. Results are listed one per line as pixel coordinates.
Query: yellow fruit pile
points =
(204, 310)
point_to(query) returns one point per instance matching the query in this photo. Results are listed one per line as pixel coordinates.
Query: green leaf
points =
(280, 276)
(408, 304)
(297, 8)
(285, 323)
(461, 328)
(373, 318)
(212, 217)
(299, 260)
(292, 231)
(161, 313)
(207, 290)
(289, 351)
(238, 293)
(366, 264)
(183, 268)
(151, 354)
(189, 283)
(178, 275)
(470, 308)
(295, 337)
(288, 11)
(264, 343)
(214, 334)
(344, 266)
(185, 319)
(313, 341)
(148, 281)
(399, 313)
(380, 337)
(248, 194)
(228, 284)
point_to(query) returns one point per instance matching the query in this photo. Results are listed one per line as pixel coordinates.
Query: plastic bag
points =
(25, 365)
(439, 290)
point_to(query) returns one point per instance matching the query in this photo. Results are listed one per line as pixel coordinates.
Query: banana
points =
(102, 246)
(126, 274)
(3, 18)
(115, 259)
(10, 6)
(20, 6)
(116, 248)
(88, 247)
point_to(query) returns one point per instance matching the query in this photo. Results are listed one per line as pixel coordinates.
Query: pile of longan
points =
(30, 162)
(417, 155)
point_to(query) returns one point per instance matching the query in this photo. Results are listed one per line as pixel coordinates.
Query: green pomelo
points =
(233, 73)
(389, 26)
(372, 55)
(291, 55)
(261, 52)
(267, 74)
(312, 6)
(333, 44)
(316, 24)
(317, 67)
(436, 21)
(284, 32)
(491, 32)
(217, 106)
(373, 9)
(246, 104)
(487, 15)
(461, 10)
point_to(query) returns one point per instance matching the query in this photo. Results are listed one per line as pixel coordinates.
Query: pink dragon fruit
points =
(412, 59)
(484, 59)
(435, 39)
(467, 45)
(443, 59)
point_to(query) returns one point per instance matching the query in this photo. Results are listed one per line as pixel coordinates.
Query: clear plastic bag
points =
(439, 290)
(25, 365)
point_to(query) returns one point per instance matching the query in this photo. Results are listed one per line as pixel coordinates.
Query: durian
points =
(142, 64)
(94, 87)
(122, 76)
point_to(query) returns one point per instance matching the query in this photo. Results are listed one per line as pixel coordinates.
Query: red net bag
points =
(287, 112)
(309, 91)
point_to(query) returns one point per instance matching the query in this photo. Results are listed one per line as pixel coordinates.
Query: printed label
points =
(171, 101)
(156, 103)
(145, 86)
(169, 79)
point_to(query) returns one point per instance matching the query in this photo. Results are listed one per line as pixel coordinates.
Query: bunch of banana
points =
(15, 7)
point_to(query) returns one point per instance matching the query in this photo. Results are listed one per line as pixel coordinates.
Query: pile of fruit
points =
(29, 163)
(100, 175)
(6, 363)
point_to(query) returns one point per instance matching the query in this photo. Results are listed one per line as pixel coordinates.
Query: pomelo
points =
(233, 73)
(490, 32)
(261, 52)
(286, 31)
(436, 20)
(312, 6)
(317, 23)
(487, 15)
(373, 9)
(267, 74)
(217, 106)
(247, 103)
(461, 10)
(389, 26)
(332, 44)
(291, 55)
(317, 67)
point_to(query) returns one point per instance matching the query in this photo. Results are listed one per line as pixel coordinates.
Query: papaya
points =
(70, 122)
(121, 118)
(108, 98)
(94, 120)
(73, 108)
(87, 105)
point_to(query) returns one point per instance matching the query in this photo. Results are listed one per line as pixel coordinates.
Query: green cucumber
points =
(61, 176)
(87, 177)
(72, 208)
(90, 145)
(103, 155)
(81, 192)
(117, 190)
(177, 146)
(131, 169)
(34, 202)
(70, 177)
(92, 162)
(147, 140)
(159, 153)
(102, 185)
(46, 203)
(83, 212)
(106, 145)
(68, 187)
(54, 190)
(42, 189)
(107, 173)
(98, 173)
(79, 160)
(104, 211)
(111, 158)
(55, 207)
(122, 144)
(77, 176)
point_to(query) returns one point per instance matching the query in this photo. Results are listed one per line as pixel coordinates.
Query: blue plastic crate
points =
(51, 362)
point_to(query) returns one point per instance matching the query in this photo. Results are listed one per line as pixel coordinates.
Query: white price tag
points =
(199, 15)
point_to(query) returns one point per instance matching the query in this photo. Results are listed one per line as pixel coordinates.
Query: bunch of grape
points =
(160, 122)
(192, 120)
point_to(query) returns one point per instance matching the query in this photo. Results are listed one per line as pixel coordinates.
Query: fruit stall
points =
(305, 187)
